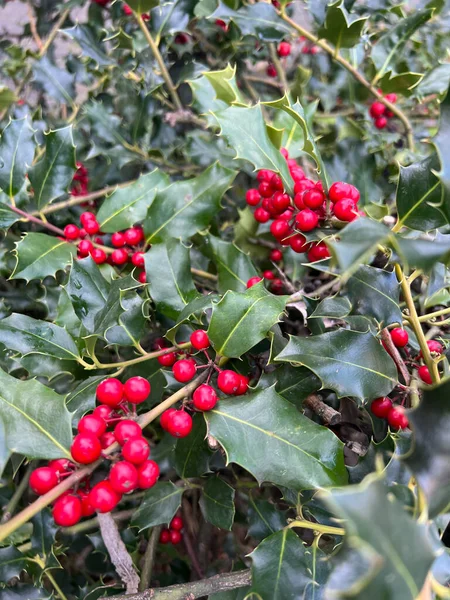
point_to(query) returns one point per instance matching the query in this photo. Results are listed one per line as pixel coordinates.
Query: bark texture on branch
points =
(322, 410)
(396, 356)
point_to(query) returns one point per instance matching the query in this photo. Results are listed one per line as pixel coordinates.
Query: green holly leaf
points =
(43, 539)
(376, 293)
(105, 124)
(340, 28)
(131, 321)
(402, 83)
(40, 255)
(159, 505)
(7, 97)
(192, 453)
(260, 20)
(168, 269)
(58, 83)
(424, 252)
(282, 436)
(381, 564)
(427, 460)
(241, 320)
(129, 204)
(171, 17)
(82, 398)
(435, 81)
(264, 518)
(12, 563)
(25, 592)
(142, 6)
(234, 267)
(332, 308)
(186, 207)
(295, 383)
(224, 84)
(86, 38)
(217, 503)
(204, 99)
(88, 290)
(195, 308)
(17, 145)
(53, 174)
(7, 216)
(246, 132)
(35, 418)
(349, 362)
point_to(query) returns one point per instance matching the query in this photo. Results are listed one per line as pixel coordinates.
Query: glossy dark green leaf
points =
(296, 383)
(36, 420)
(427, 459)
(192, 312)
(129, 204)
(27, 335)
(82, 398)
(401, 83)
(106, 124)
(131, 322)
(17, 146)
(375, 292)
(240, 320)
(234, 267)
(7, 216)
(192, 453)
(435, 81)
(40, 255)
(12, 563)
(43, 538)
(288, 449)
(85, 37)
(246, 132)
(395, 571)
(423, 253)
(260, 20)
(168, 269)
(264, 518)
(340, 28)
(142, 6)
(217, 503)
(349, 362)
(87, 290)
(120, 291)
(58, 83)
(186, 207)
(336, 307)
(159, 505)
(25, 592)
(171, 17)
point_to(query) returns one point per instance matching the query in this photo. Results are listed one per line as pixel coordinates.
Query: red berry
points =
(165, 418)
(118, 240)
(136, 450)
(380, 407)
(252, 197)
(318, 251)
(392, 98)
(107, 439)
(253, 281)
(127, 430)
(340, 190)
(345, 210)
(137, 390)
(280, 229)
(271, 71)
(104, 412)
(119, 256)
(265, 189)
(243, 385)
(179, 424)
(67, 511)
(399, 337)
(284, 49)
(167, 360)
(181, 39)
(85, 248)
(313, 198)
(199, 339)
(184, 370)
(280, 202)
(298, 243)
(204, 397)
(268, 275)
(87, 509)
(381, 122)
(221, 24)
(123, 477)
(133, 236)
(103, 498)
(142, 277)
(397, 418)
(61, 465)
(138, 259)
(297, 174)
(306, 220)
(71, 232)
(377, 109)
(92, 227)
(86, 217)
(92, 424)
(148, 474)
(303, 185)
(98, 256)
(110, 392)
(164, 536)
(43, 479)
(425, 375)
(261, 215)
(264, 175)
(176, 524)
(276, 183)
(175, 536)
(435, 347)
(228, 382)
(277, 287)
(276, 255)
(86, 448)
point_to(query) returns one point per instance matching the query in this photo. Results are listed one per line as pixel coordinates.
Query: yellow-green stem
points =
(434, 315)
(278, 66)
(139, 359)
(323, 529)
(38, 560)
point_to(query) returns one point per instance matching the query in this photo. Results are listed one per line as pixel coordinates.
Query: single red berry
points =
(119, 256)
(345, 210)
(86, 217)
(264, 175)
(98, 256)
(107, 439)
(86, 448)
(104, 412)
(253, 281)
(220, 23)
(228, 382)
(148, 473)
(252, 197)
(167, 360)
(340, 190)
(268, 275)
(392, 98)
(181, 39)
(277, 286)
(265, 189)
(306, 220)
(123, 477)
(85, 248)
(313, 198)
(61, 465)
(110, 392)
(399, 337)
(276, 255)
(164, 536)
(276, 183)
(118, 240)
(199, 339)
(280, 202)
(204, 397)
(71, 232)
(303, 185)
(377, 109)
(103, 498)
(92, 227)
(285, 154)
(184, 370)
(175, 536)
(271, 71)
(165, 418)
(318, 251)
(138, 259)
(243, 385)
(176, 524)
(136, 451)
(127, 430)
(142, 277)
(67, 511)
(43, 479)
(92, 424)
(435, 347)
(397, 418)
(425, 375)
(380, 407)
(284, 49)
(127, 10)
(381, 122)
(280, 229)
(137, 390)
(133, 236)
(297, 174)
(179, 424)
(261, 215)
(298, 243)
(87, 510)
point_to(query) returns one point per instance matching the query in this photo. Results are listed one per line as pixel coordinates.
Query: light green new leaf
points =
(159, 505)
(349, 362)
(142, 6)
(224, 84)
(340, 28)
(40, 255)
(268, 436)
(217, 503)
(129, 204)
(241, 320)
(234, 267)
(17, 146)
(7, 97)
(53, 174)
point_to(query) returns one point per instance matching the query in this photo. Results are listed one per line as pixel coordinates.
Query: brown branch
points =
(322, 410)
(149, 558)
(395, 355)
(37, 221)
(188, 542)
(33, 28)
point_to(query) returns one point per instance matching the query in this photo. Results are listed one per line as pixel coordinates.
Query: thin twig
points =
(395, 354)
(40, 222)
(15, 498)
(188, 543)
(278, 66)
(33, 28)
(149, 558)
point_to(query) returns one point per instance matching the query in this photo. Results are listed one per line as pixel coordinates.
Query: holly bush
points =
(225, 300)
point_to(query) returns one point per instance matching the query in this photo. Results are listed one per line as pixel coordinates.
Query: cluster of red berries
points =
(172, 534)
(80, 181)
(106, 425)
(385, 409)
(400, 339)
(304, 212)
(380, 113)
